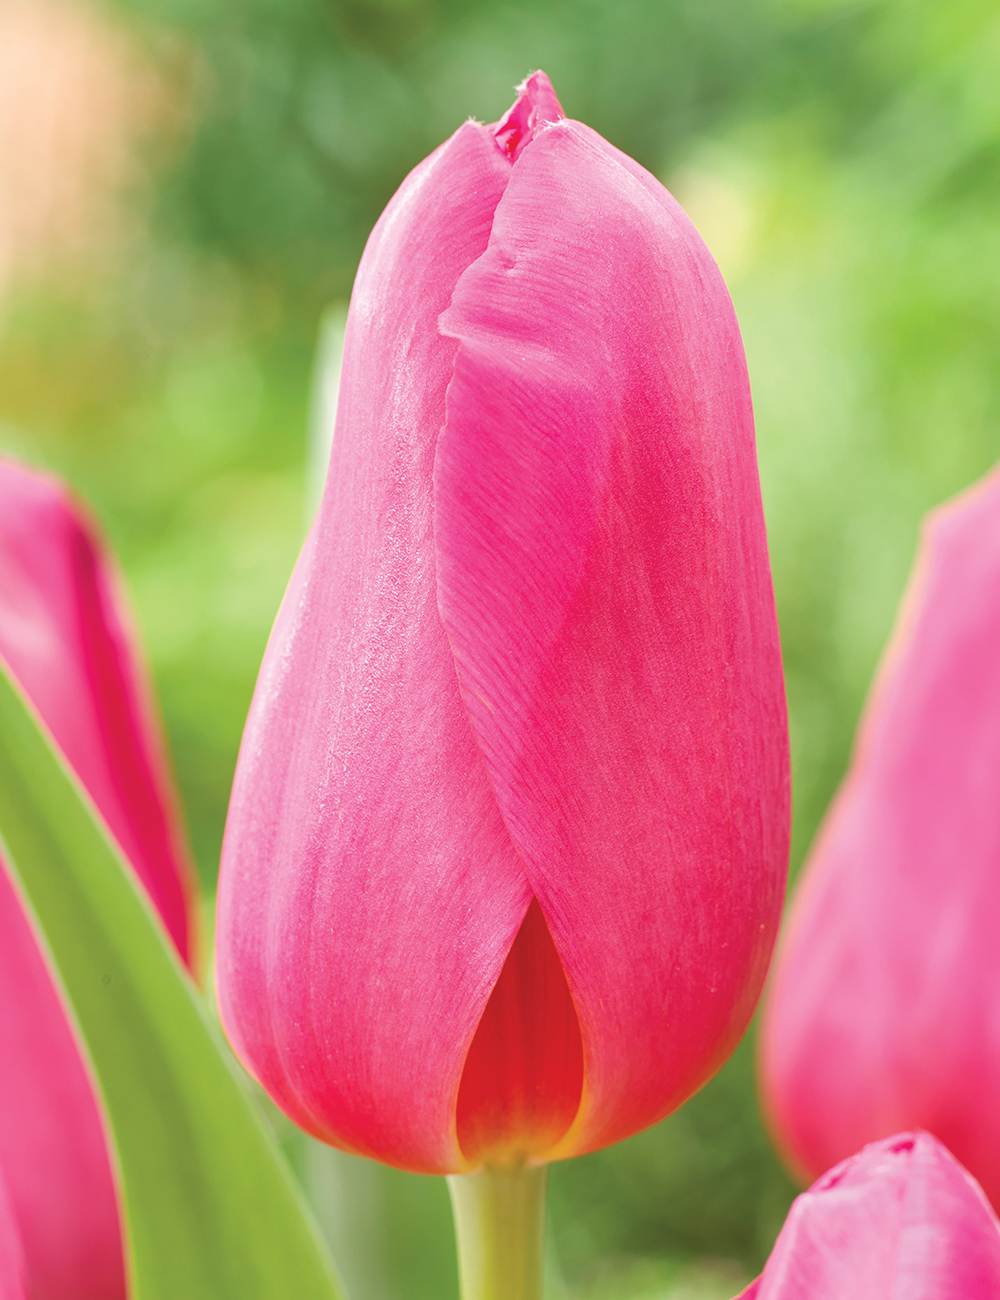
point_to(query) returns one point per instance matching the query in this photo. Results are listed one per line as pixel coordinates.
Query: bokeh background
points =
(185, 189)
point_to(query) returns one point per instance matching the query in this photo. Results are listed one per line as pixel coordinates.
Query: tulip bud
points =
(901, 1220)
(508, 835)
(884, 1006)
(65, 636)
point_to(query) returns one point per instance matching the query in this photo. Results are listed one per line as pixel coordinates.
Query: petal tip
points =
(535, 108)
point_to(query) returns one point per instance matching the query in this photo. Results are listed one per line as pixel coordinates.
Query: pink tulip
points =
(901, 1220)
(885, 1007)
(507, 841)
(65, 636)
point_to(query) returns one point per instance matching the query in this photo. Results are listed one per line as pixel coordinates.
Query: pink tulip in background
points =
(66, 637)
(885, 1007)
(507, 842)
(902, 1220)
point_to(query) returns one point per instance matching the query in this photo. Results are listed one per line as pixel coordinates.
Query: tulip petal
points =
(902, 1220)
(883, 1009)
(367, 904)
(596, 487)
(536, 106)
(65, 633)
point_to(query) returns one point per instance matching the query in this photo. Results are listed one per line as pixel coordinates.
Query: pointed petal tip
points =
(535, 108)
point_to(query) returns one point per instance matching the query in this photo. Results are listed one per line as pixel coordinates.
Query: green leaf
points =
(211, 1209)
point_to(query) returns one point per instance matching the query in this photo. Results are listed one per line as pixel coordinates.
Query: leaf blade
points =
(211, 1210)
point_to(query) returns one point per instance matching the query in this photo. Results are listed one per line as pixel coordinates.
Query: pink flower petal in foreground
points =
(507, 842)
(884, 1012)
(902, 1220)
(66, 637)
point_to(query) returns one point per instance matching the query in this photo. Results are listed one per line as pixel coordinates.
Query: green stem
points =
(500, 1227)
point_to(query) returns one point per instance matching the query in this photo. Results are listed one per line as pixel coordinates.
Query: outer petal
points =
(902, 1220)
(369, 891)
(883, 1012)
(604, 582)
(64, 632)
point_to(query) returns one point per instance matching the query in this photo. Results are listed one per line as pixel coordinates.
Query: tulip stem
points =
(500, 1227)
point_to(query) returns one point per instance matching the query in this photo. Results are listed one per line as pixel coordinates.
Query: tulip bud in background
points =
(884, 1011)
(901, 1220)
(65, 635)
(507, 841)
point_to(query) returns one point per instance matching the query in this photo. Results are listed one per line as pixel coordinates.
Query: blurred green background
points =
(842, 161)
